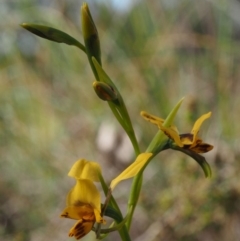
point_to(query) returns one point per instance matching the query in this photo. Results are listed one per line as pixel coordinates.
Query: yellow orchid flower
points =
(83, 200)
(83, 169)
(190, 140)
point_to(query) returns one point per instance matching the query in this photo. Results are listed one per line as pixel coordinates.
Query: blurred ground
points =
(156, 52)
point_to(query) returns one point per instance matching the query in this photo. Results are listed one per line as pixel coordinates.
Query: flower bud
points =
(104, 91)
(90, 35)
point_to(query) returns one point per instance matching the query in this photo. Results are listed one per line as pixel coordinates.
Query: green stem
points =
(123, 232)
(117, 114)
(93, 68)
(132, 200)
(80, 46)
(134, 143)
(123, 118)
(135, 192)
(121, 227)
(112, 201)
(130, 130)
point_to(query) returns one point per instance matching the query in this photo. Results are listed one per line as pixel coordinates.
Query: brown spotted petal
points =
(202, 148)
(198, 146)
(81, 228)
(152, 118)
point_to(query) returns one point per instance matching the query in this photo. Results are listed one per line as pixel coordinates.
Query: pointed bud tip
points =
(25, 25)
(84, 5)
(90, 34)
(142, 113)
(181, 100)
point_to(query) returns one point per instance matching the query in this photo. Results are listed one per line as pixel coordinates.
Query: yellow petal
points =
(84, 192)
(132, 170)
(84, 211)
(198, 124)
(78, 212)
(99, 218)
(83, 169)
(151, 118)
(172, 133)
(81, 228)
(186, 139)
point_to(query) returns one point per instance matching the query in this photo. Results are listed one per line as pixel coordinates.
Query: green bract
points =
(52, 34)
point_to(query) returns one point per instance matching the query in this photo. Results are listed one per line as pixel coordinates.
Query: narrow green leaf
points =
(52, 34)
(170, 118)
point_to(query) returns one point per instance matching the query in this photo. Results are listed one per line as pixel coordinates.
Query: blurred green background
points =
(156, 51)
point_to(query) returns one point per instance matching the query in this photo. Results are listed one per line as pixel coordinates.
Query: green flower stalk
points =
(157, 145)
(118, 106)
